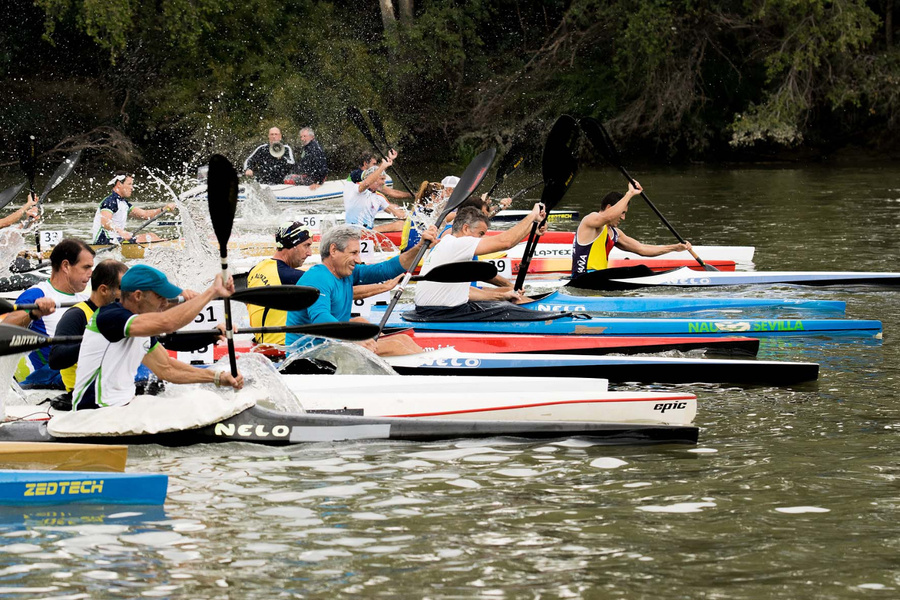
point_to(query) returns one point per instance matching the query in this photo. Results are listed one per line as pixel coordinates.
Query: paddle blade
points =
(459, 272)
(359, 121)
(222, 196)
(28, 157)
(603, 279)
(278, 297)
(348, 331)
(62, 171)
(7, 195)
(511, 160)
(15, 340)
(190, 341)
(469, 181)
(558, 164)
(378, 124)
(600, 140)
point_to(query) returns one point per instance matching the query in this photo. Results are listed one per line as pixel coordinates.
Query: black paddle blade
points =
(7, 195)
(62, 171)
(6, 306)
(603, 279)
(189, 341)
(221, 194)
(348, 331)
(469, 181)
(15, 340)
(599, 138)
(28, 157)
(558, 164)
(459, 272)
(378, 124)
(278, 297)
(359, 121)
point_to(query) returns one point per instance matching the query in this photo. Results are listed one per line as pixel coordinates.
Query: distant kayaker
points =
(71, 265)
(112, 214)
(335, 277)
(104, 290)
(270, 162)
(598, 232)
(28, 209)
(362, 200)
(122, 335)
(293, 245)
(368, 159)
(459, 301)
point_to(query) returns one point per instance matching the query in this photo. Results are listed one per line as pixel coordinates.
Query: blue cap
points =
(148, 279)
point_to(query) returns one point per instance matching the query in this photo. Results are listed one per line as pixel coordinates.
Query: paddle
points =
(59, 175)
(524, 191)
(378, 124)
(511, 161)
(458, 272)
(277, 297)
(470, 179)
(356, 117)
(15, 340)
(599, 280)
(7, 195)
(222, 197)
(558, 168)
(146, 223)
(601, 141)
(28, 164)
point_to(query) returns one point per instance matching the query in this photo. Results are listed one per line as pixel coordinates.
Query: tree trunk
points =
(889, 23)
(387, 13)
(406, 10)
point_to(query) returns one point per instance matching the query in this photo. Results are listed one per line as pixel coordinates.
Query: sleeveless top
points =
(595, 255)
(68, 374)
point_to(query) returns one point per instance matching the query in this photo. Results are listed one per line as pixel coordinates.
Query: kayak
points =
(508, 399)
(636, 277)
(587, 345)
(564, 265)
(41, 488)
(329, 190)
(618, 369)
(615, 369)
(562, 302)
(63, 457)
(272, 428)
(637, 326)
(554, 216)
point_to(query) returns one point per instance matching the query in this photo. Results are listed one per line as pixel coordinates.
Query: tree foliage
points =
(690, 78)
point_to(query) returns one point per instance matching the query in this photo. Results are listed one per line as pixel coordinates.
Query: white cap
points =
(450, 181)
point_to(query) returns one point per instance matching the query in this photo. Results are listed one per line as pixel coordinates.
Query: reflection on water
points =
(792, 493)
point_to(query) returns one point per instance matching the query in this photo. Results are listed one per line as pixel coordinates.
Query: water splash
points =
(349, 358)
(12, 242)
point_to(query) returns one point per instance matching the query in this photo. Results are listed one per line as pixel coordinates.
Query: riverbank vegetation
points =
(169, 81)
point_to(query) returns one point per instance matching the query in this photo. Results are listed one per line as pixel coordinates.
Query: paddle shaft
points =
(379, 129)
(356, 117)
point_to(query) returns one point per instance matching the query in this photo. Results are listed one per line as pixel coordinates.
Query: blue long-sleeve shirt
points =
(335, 302)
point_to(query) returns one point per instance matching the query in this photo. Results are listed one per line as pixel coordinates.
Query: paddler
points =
(598, 232)
(367, 159)
(105, 282)
(270, 162)
(362, 202)
(293, 245)
(112, 214)
(71, 265)
(335, 277)
(122, 335)
(459, 301)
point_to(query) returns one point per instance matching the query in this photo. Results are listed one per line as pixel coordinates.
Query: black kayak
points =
(262, 426)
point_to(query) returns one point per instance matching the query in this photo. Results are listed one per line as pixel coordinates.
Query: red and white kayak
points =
(488, 399)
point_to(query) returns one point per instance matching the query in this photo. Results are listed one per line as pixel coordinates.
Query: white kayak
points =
(489, 399)
(330, 190)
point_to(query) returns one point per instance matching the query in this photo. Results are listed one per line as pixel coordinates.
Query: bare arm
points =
(169, 369)
(149, 324)
(632, 245)
(45, 306)
(406, 259)
(16, 216)
(393, 209)
(390, 192)
(512, 236)
(368, 290)
(146, 214)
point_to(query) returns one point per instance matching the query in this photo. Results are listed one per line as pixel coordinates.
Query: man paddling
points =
(335, 277)
(104, 290)
(598, 233)
(122, 335)
(112, 214)
(294, 246)
(459, 301)
(270, 162)
(71, 265)
(362, 202)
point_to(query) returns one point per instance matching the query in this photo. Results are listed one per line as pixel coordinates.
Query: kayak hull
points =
(262, 426)
(47, 488)
(63, 457)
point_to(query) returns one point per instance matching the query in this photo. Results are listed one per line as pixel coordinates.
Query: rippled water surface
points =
(791, 493)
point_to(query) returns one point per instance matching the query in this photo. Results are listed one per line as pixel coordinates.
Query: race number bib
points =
(50, 238)
(208, 318)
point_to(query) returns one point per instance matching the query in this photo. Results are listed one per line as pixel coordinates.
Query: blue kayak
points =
(81, 487)
(559, 301)
(649, 327)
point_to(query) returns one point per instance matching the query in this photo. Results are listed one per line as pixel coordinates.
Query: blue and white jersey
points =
(119, 207)
(361, 207)
(46, 325)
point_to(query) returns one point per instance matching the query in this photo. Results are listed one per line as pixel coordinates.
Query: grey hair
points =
(470, 216)
(310, 130)
(340, 237)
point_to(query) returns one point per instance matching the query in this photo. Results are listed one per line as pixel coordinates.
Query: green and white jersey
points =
(109, 359)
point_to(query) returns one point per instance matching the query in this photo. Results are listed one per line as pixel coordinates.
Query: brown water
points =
(791, 493)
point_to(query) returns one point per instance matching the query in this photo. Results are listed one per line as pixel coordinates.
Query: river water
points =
(791, 493)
